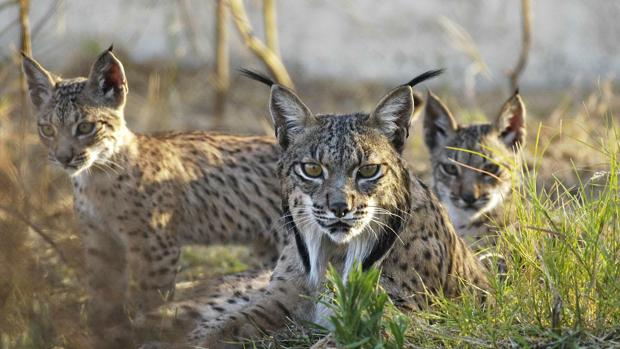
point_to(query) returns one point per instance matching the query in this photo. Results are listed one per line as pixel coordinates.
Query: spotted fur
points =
(473, 166)
(140, 198)
(388, 219)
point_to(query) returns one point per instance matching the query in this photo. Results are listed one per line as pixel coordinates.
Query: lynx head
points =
(343, 180)
(472, 165)
(80, 120)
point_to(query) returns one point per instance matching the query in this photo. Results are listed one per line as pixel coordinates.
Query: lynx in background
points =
(473, 166)
(139, 198)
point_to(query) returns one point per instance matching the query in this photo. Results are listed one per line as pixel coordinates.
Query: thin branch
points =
(37, 230)
(271, 26)
(24, 24)
(526, 43)
(26, 47)
(270, 58)
(222, 69)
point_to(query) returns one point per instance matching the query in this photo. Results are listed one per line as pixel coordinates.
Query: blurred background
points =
(181, 58)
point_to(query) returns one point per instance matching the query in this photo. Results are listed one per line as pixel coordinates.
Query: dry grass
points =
(41, 293)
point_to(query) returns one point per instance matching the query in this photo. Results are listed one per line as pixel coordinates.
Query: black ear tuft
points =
(257, 76)
(423, 77)
(111, 48)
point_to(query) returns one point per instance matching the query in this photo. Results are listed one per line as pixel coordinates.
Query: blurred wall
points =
(575, 41)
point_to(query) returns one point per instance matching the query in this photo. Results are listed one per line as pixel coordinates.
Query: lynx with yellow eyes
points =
(347, 196)
(140, 198)
(473, 165)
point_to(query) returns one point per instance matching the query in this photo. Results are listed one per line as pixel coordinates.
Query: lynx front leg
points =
(268, 310)
(154, 262)
(106, 268)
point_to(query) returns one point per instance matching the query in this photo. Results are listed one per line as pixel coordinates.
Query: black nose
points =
(469, 198)
(64, 159)
(340, 209)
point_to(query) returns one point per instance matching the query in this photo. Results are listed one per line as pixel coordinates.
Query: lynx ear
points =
(289, 114)
(439, 124)
(511, 122)
(40, 82)
(107, 80)
(392, 116)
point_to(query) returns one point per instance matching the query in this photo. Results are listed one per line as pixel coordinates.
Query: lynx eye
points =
(368, 171)
(449, 169)
(47, 131)
(85, 128)
(491, 168)
(312, 170)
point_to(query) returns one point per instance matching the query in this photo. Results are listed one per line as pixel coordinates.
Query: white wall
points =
(574, 41)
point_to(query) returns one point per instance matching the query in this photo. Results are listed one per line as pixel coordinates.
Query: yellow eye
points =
(368, 171)
(85, 128)
(312, 170)
(47, 130)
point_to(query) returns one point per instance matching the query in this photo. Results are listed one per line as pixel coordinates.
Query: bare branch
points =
(271, 26)
(37, 230)
(270, 58)
(24, 24)
(222, 69)
(526, 43)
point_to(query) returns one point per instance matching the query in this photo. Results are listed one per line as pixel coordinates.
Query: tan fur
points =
(140, 198)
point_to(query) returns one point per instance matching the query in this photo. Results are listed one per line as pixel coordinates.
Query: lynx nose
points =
(469, 198)
(64, 158)
(340, 209)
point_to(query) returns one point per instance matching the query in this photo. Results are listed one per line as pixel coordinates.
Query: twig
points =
(37, 230)
(24, 24)
(271, 26)
(270, 58)
(222, 75)
(526, 43)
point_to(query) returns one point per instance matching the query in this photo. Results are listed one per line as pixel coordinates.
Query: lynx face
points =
(340, 173)
(80, 121)
(472, 165)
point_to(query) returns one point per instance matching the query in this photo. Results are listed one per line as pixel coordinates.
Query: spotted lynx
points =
(347, 196)
(473, 166)
(139, 198)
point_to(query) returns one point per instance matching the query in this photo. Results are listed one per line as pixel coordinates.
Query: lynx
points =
(347, 196)
(140, 198)
(474, 166)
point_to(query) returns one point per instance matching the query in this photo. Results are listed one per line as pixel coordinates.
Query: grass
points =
(363, 316)
(562, 288)
(563, 251)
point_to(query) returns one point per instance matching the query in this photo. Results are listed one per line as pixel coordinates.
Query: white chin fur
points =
(461, 217)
